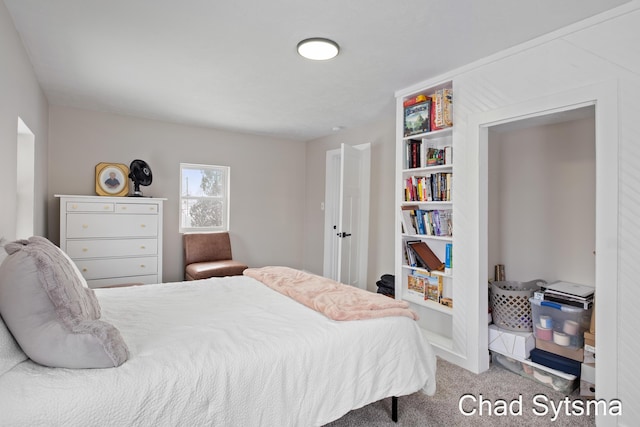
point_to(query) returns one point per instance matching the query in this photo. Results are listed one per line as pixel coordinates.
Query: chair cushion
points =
(201, 247)
(204, 270)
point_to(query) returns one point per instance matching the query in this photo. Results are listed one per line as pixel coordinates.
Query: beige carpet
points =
(452, 383)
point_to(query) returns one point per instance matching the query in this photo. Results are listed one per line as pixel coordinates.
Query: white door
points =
(347, 214)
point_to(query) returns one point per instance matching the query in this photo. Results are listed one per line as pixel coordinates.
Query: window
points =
(204, 198)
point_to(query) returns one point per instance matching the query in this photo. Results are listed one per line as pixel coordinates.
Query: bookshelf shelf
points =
(426, 236)
(440, 342)
(428, 303)
(428, 169)
(431, 135)
(442, 205)
(433, 273)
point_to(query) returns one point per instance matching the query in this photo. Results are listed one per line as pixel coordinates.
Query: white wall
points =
(20, 97)
(267, 178)
(381, 135)
(542, 202)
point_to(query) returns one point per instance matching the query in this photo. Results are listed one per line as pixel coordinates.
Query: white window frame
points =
(184, 199)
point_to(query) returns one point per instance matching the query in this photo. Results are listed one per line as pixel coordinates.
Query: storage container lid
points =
(556, 305)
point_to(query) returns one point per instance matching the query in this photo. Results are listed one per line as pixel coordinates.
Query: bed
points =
(223, 351)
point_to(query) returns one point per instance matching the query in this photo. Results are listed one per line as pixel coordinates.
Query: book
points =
(433, 113)
(420, 222)
(414, 100)
(407, 217)
(433, 288)
(448, 258)
(426, 257)
(416, 118)
(410, 255)
(569, 288)
(448, 155)
(414, 154)
(447, 107)
(415, 286)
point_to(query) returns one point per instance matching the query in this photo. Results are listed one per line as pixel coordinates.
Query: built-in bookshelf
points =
(425, 208)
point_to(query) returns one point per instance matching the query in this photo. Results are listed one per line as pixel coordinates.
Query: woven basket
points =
(510, 306)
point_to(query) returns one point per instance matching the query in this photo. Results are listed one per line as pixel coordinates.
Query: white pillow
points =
(10, 353)
(53, 317)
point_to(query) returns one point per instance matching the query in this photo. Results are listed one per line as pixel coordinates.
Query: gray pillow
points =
(3, 253)
(53, 317)
(10, 353)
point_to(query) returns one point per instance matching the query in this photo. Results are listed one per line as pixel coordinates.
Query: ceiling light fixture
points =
(318, 49)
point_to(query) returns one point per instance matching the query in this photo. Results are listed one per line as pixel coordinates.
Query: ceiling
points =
(233, 65)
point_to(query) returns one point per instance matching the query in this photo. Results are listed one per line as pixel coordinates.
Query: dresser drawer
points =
(137, 208)
(109, 225)
(79, 249)
(90, 207)
(93, 269)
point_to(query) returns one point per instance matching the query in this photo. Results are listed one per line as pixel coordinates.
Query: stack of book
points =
(425, 286)
(570, 294)
(426, 113)
(419, 254)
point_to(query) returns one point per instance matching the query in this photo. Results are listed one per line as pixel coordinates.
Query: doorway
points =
(346, 236)
(602, 99)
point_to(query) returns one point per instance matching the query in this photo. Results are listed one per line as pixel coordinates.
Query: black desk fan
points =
(140, 174)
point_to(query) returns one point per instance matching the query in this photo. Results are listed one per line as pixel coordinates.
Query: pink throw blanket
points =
(335, 300)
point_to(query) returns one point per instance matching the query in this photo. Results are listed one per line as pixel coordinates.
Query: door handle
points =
(343, 235)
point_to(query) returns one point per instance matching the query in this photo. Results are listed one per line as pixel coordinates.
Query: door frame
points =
(604, 96)
(331, 213)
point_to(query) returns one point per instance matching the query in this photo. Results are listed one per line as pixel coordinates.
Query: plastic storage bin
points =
(561, 324)
(557, 380)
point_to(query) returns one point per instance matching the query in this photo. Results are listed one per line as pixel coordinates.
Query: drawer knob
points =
(85, 226)
(106, 207)
(85, 250)
(143, 225)
(143, 247)
(124, 208)
(142, 266)
(84, 270)
(74, 206)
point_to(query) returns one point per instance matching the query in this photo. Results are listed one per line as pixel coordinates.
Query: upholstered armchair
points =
(209, 255)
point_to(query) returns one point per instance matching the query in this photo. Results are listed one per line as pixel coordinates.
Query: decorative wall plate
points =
(112, 179)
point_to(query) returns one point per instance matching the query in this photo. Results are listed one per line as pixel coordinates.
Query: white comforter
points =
(224, 352)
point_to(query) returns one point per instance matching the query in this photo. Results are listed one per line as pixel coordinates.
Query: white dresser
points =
(113, 240)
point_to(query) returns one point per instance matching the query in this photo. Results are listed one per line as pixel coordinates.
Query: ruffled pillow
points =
(54, 318)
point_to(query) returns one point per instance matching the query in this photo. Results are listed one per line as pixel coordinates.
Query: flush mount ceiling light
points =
(318, 49)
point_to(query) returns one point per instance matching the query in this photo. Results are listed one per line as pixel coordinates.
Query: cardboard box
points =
(589, 354)
(592, 327)
(517, 344)
(551, 347)
(589, 339)
(587, 389)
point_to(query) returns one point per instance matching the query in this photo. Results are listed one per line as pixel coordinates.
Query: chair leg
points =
(394, 408)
